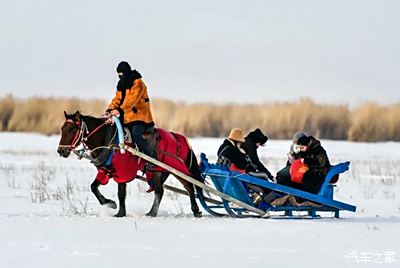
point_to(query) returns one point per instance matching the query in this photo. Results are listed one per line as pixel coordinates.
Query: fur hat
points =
(236, 134)
(258, 137)
(304, 140)
(124, 67)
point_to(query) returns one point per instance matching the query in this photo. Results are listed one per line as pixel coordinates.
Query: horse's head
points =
(70, 134)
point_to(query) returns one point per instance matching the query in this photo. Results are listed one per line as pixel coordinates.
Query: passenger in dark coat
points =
(284, 173)
(314, 156)
(254, 140)
(230, 153)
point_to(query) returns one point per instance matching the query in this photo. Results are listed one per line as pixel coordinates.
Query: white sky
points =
(222, 51)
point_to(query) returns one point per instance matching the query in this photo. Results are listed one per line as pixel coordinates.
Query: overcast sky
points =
(209, 50)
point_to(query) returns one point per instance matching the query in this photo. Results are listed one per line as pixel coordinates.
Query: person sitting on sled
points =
(231, 154)
(307, 172)
(284, 174)
(315, 165)
(132, 104)
(253, 141)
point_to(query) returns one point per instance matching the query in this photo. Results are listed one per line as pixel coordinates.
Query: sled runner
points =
(234, 184)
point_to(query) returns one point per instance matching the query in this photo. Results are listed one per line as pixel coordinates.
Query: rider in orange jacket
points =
(132, 104)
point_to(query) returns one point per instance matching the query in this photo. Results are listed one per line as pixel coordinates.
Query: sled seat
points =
(234, 184)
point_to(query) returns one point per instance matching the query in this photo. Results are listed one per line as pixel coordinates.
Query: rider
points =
(131, 103)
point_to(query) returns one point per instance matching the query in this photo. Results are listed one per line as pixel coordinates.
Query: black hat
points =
(257, 136)
(304, 140)
(124, 67)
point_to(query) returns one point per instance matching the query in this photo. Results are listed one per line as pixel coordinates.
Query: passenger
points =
(294, 154)
(284, 174)
(253, 141)
(231, 154)
(311, 153)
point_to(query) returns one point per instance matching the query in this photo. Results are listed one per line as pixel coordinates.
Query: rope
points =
(94, 131)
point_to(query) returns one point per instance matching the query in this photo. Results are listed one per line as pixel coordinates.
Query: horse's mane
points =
(91, 117)
(88, 117)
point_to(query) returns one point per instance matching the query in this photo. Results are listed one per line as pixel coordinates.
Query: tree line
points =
(369, 122)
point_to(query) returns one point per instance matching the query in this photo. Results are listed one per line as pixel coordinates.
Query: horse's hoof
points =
(120, 214)
(151, 214)
(198, 214)
(111, 204)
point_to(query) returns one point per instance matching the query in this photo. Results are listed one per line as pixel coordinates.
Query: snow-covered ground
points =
(49, 217)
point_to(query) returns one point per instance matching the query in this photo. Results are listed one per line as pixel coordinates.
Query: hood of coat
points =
(126, 82)
(314, 143)
(313, 147)
(256, 136)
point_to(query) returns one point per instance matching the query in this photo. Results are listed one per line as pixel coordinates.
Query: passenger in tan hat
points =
(236, 134)
(230, 153)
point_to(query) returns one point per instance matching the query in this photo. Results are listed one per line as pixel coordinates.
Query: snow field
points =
(49, 217)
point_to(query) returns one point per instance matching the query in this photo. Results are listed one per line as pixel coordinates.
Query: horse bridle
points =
(80, 137)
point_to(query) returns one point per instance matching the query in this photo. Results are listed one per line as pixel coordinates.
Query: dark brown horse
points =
(93, 138)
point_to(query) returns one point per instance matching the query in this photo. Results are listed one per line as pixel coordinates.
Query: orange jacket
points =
(133, 103)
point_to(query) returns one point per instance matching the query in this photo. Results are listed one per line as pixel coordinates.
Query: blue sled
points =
(234, 184)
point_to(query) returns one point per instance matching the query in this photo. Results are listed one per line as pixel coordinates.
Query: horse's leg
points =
(121, 198)
(158, 194)
(190, 189)
(102, 200)
(192, 164)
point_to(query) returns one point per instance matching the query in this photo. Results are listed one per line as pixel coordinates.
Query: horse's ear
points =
(77, 116)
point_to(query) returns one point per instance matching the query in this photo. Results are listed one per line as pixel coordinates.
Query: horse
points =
(94, 138)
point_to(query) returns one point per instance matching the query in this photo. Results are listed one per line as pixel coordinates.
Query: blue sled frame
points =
(233, 184)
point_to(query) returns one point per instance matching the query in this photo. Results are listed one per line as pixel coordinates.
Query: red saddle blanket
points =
(172, 149)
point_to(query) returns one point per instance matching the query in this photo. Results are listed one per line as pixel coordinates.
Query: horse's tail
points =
(194, 168)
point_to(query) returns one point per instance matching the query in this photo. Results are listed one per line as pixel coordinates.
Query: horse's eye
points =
(71, 129)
